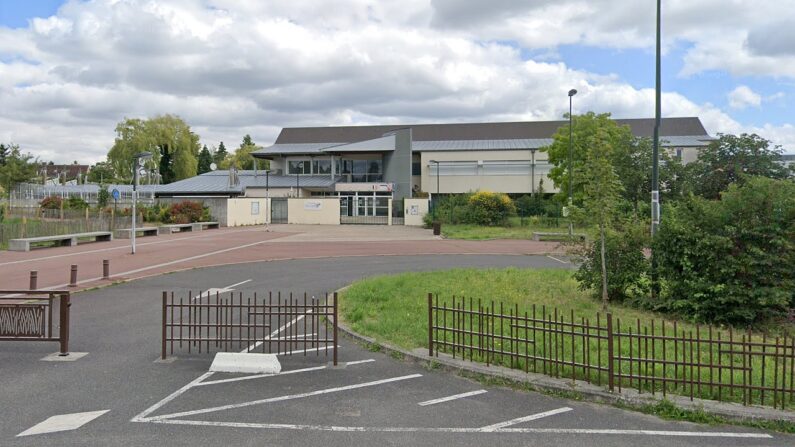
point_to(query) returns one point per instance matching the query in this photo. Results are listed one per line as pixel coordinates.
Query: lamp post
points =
(138, 159)
(655, 179)
(437, 185)
(572, 92)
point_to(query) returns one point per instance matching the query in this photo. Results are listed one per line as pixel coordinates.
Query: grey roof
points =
(217, 182)
(299, 148)
(385, 143)
(483, 145)
(644, 127)
(92, 188)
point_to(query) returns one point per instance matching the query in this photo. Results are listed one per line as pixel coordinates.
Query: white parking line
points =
(283, 373)
(449, 398)
(576, 431)
(141, 417)
(532, 417)
(63, 422)
(287, 397)
(559, 260)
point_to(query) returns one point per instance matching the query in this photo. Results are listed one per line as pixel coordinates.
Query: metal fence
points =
(650, 357)
(271, 323)
(24, 222)
(27, 315)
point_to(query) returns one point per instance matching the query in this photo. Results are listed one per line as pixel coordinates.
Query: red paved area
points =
(162, 254)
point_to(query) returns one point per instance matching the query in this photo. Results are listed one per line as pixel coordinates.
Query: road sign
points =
(115, 194)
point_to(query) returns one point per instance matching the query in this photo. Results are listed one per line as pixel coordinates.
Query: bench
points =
(126, 233)
(537, 236)
(174, 228)
(199, 226)
(63, 240)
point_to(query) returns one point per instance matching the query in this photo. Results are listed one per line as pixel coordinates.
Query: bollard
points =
(73, 276)
(105, 269)
(34, 278)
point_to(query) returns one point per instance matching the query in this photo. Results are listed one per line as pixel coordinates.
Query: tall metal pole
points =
(572, 92)
(134, 199)
(655, 180)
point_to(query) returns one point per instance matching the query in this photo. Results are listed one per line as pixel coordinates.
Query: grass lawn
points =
(515, 230)
(393, 309)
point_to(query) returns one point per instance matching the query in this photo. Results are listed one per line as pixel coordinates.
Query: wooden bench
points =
(199, 226)
(537, 236)
(174, 228)
(63, 240)
(126, 233)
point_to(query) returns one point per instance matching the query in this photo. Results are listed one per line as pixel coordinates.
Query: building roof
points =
(687, 131)
(217, 182)
(643, 127)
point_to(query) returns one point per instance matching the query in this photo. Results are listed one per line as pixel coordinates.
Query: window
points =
(513, 167)
(416, 168)
(321, 166)
(455, 168)
(299, 167)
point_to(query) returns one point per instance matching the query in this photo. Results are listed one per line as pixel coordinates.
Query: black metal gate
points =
(273, 323)
(279, 211)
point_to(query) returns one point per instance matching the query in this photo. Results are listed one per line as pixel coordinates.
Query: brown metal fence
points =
(271, 323)
(650, 357)
(27, 315)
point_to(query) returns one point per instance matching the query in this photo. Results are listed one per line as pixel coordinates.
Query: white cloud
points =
(743, 97)
(231, 68)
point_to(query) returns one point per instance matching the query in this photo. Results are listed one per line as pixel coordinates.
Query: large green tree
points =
(4, 150)
(242, 158)
(205, 160)
(17, 168)
(731, 159)
(601, 195)
(631, 158)
(102, 172)
(220, 154)
(165, 135)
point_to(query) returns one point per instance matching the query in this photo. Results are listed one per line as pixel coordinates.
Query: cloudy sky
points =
(70, 70)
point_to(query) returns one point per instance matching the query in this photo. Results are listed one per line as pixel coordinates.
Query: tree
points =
(102, 172)
(205, 160)
(103, 196)
(584, 129)
(632, 163)
(18, 168)
(161, 135)
(600, 194)
(220, 154)
(4, 150)
(731, 159)
(166, 168)
(242, 158)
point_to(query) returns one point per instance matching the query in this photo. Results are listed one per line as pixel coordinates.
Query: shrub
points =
(627, 266)
(187, 212)
(731, 261)
(51, 203)
(2, 212)
(527, 205)
(75, 203)
(489, 208)
(103, 196)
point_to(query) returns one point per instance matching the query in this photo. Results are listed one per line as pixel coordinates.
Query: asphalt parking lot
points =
(118, 394)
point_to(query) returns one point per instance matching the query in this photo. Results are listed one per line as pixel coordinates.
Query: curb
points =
(571, 389)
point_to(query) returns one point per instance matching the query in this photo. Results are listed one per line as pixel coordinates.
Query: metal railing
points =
(653, 357)
(268, 323)
(27, 315)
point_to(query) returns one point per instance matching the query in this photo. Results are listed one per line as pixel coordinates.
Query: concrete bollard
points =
(73, 276)
(34, 279)
(105, 269)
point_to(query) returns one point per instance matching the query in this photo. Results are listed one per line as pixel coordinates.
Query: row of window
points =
(342, 167)
(489, 168)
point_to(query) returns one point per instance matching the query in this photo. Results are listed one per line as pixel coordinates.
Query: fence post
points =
(336, 323)
(63, 332)
(105, 269)
(34, 276)
(430, 324)
(73, 276)
(163, 344)
(610, 371)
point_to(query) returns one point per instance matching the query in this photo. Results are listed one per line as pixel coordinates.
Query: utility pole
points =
(572, 92)
(655, 179)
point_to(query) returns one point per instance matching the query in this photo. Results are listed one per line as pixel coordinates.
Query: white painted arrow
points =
(213, 290)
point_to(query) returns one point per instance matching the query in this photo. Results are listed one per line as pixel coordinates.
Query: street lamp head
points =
(572, 92)
(143, 155)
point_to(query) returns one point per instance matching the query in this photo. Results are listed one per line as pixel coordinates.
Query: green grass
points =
(516, 229)
(393, 309)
